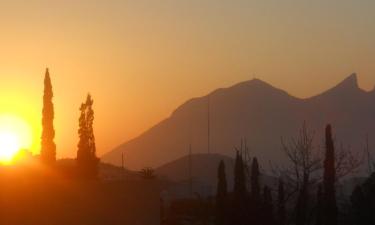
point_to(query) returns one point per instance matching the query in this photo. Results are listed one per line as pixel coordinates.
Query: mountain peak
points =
(349, 82)
(255, 83)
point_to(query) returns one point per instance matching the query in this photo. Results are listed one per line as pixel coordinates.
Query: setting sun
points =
(15, 134)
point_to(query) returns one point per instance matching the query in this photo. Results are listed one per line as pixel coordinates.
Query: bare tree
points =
(304, 169)
(346, 161)
(305, 161)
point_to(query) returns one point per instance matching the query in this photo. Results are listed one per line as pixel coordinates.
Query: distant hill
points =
(258, 112)
(204, 168)
(105, 171)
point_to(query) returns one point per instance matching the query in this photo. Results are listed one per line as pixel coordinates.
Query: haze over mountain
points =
(258, 112)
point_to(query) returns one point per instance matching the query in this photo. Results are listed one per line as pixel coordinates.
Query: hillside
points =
(258, 112)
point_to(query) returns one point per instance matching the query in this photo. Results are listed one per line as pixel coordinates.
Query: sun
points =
(15, 134)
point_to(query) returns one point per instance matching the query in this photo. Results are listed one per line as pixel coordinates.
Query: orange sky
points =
(141, 59)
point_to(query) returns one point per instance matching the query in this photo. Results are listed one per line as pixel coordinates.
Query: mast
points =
(190, 161)
(208, 126)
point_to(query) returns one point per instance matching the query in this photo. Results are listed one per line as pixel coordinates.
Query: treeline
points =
(87, 161)
(294, 203)
(304, 192)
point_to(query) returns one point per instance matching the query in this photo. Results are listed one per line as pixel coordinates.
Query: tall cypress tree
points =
(255, 186)
(239, 178)
(48, 146)
(239, 192)
(329, 177)
(221, 196)
(281, 211)
(86, 154)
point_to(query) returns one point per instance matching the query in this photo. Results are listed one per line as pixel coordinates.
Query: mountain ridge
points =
(251, 109)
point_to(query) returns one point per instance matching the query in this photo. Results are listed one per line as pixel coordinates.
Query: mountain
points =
(255, 111)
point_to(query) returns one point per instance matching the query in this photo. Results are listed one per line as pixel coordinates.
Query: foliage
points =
(281, 210)
(48, 146)
(86, 154)
(239, 192)
(147, 173)
(329, 179)
(363, 203)
(221, 196)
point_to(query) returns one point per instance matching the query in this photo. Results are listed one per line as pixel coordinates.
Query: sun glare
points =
(15, 134)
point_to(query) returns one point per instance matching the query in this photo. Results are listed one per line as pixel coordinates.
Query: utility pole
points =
(122, 165)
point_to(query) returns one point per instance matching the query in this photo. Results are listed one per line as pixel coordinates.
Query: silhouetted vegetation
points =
(329, 179)
(86, 155)
(363, 202)
(222, 197)
(239, 192)
(147, 173)
(281, 210)
(267, 214)
(319, 206)
(48, 147)
(305, 188)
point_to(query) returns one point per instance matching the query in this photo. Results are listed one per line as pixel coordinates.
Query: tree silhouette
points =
(281, 211)
(239, 192)
(363, 203)
(147, 173)
(267, 209)
(305, 163)
(329, 178)
(86, 154)
(221, 196)
(255, 186)
(48, 146)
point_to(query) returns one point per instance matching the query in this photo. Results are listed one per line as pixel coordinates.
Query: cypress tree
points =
(255, 187)
(239, 178)
(48, 146)
(281, 211)
(239, 192)
(221, 196)
(86, 154)
(329, 178)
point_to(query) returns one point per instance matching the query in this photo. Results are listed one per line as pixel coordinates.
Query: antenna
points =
(190, 176)
(190, 172)
(208, 124)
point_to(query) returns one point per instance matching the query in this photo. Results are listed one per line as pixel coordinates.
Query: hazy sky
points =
(141, 59)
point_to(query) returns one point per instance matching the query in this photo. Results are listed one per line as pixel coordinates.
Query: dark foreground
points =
(54, 200)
